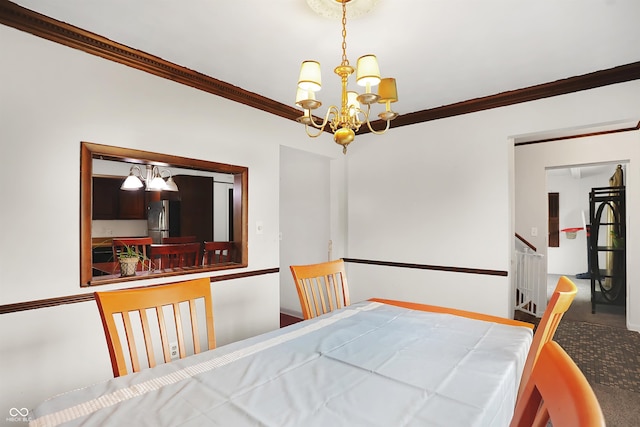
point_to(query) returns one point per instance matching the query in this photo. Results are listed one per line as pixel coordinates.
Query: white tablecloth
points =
(370, 364)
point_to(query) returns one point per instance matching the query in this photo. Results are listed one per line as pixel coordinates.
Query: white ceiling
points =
(440, 51)
(585, 171)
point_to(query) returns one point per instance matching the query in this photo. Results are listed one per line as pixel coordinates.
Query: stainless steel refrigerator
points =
(163, 219)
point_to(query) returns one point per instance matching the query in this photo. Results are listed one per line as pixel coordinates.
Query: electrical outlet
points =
(173, 350)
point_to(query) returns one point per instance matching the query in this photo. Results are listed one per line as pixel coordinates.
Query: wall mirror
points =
(205, 203)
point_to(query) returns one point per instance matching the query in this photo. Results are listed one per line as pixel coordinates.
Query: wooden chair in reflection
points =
(321, 287)
(174, 255)
(139, 244)
(557, 391)
(179, 239)
(559, 303)
(145, 314)
(218, 253)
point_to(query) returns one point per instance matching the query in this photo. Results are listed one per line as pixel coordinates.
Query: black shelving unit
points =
(607, 253)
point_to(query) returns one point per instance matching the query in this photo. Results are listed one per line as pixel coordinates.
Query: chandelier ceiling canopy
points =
(332, 9)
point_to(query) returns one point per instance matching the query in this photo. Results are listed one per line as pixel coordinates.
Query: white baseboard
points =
(293, 313)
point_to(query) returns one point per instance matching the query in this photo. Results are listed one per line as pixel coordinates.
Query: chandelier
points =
(347, 119)
(152, 182)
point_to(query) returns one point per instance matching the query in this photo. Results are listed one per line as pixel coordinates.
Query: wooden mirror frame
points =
(90, 151)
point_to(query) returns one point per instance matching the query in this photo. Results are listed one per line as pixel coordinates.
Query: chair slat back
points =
(321, 287)
(175, 255)
(557, 391)
(179, 239)
(218, 252)
(121, 310)
(559, 303)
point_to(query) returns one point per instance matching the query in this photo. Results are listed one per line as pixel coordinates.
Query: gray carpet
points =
(607, 353)
(611, 315)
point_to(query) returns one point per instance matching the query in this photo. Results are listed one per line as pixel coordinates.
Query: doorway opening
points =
(572, 256)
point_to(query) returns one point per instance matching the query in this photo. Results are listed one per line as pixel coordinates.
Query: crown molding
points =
(21, 18)
(18, 17)
(593, 80)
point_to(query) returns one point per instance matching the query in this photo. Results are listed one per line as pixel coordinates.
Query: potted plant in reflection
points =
(129, 257)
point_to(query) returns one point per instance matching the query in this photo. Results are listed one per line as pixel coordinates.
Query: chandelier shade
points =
(345, 120)
(132, 182)
(387, 90)
(153, 181)
(368, 71)
(388, 93)
(310, 76)
(352, 102)
(157, 183)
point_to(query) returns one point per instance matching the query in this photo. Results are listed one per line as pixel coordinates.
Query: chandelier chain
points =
(345, 61)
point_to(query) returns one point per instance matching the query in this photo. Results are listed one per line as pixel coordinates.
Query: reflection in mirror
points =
(210, 205)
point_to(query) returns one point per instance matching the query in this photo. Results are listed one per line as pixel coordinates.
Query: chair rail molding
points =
(72, 299)
(428, 267)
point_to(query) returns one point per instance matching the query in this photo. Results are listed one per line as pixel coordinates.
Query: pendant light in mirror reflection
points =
(153, 181)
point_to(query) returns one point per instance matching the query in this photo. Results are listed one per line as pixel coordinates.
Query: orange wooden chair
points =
(175, 255)
(218, 252)
(321, 287)
(559, 303)
(129, 309)
(457, 312)
(557, 391)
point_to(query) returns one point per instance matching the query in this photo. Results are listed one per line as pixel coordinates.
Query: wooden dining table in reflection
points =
(112, 268)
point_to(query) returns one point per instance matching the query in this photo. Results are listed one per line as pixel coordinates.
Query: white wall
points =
(441, 193)
(313, 205)
(437, 194)
(304, 218)
(571, 258)
(51, 98)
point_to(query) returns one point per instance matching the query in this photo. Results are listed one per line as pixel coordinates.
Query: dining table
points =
(373, 363)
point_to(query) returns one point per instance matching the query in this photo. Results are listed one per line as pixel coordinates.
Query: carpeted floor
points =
(607, 353)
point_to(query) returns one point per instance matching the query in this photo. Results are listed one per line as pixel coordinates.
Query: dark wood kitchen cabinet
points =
(110, 202)
(131, 204)
(196, 206)
(105, 198)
